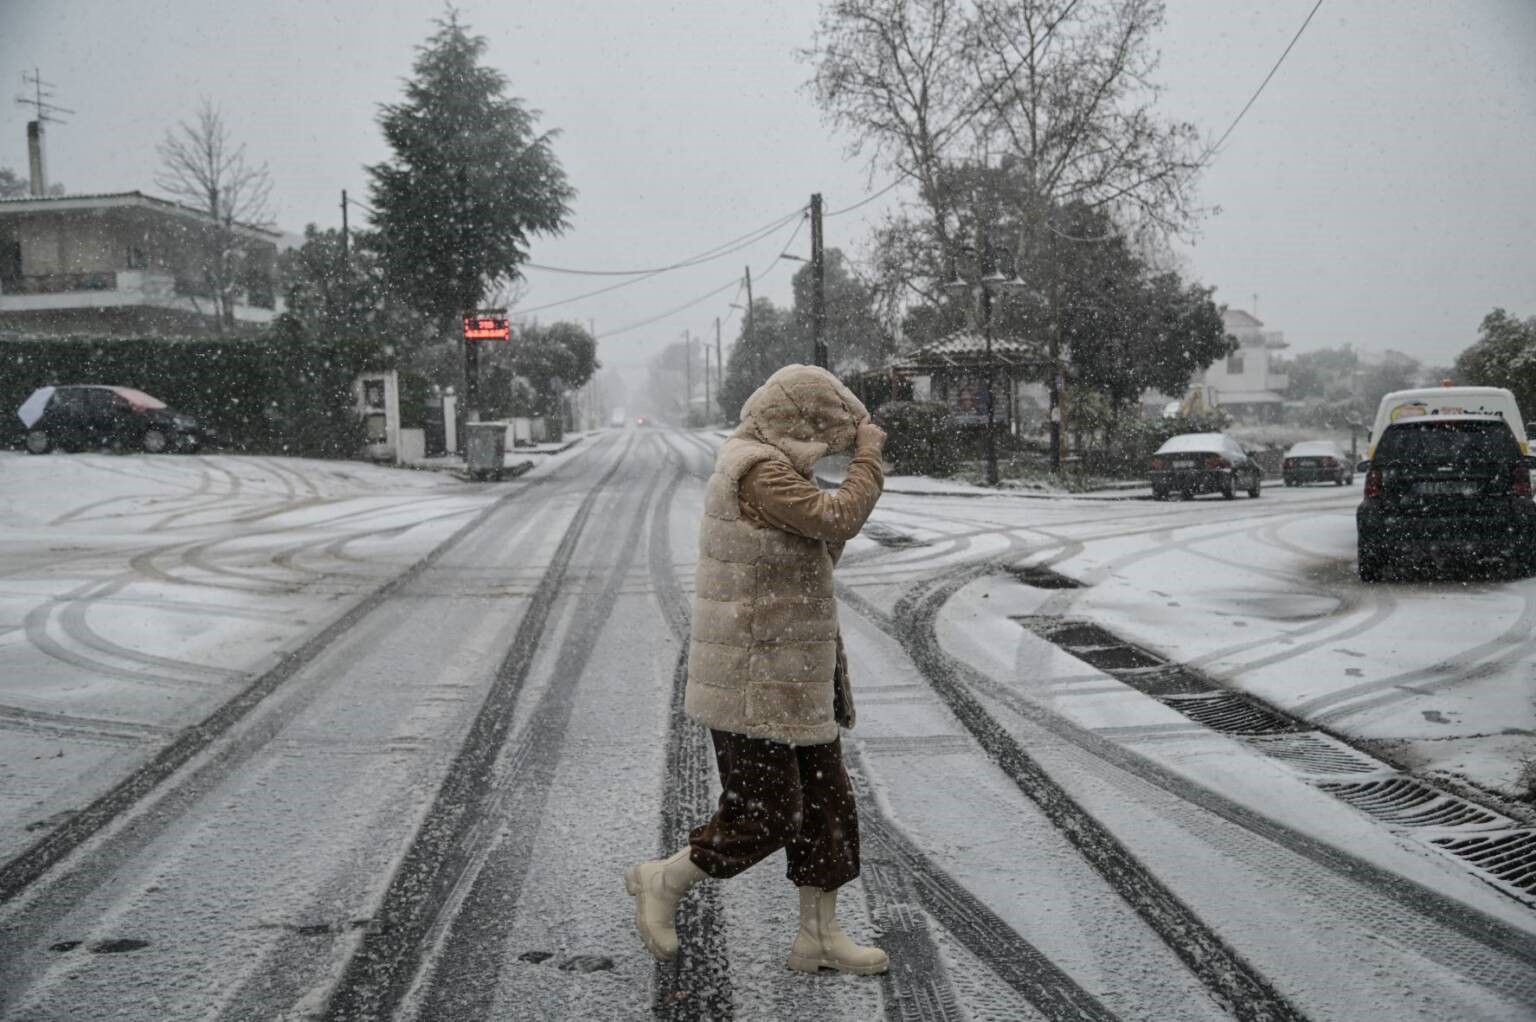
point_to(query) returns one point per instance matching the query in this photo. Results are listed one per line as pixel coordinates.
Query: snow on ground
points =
(139, 592)
(1438, 675)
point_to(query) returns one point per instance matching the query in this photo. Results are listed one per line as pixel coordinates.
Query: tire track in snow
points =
(1483, 948)
(385, 961)
(702, 963)
(468, 961)
(1235, 984)
(21, 871)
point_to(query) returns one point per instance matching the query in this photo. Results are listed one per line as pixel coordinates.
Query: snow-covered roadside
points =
(977, 626)
(1440, 676)
(138, 592)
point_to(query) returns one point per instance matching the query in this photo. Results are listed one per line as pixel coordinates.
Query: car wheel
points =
(1188, 493)
(155, 441)
(1229, 489)
(1338, 480)
(1253, 491)
(1371, 565)
(38, 442)
(1159, 493)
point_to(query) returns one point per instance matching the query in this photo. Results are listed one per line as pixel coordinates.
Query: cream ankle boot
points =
(657, 887)
(821, 943)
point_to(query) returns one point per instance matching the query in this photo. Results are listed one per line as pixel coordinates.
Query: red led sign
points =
(487, 325)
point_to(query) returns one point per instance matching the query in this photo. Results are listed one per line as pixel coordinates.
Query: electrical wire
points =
(670, 312)
(636, 280)
(1254, 98)
(723, 249)
(705, 297)
(862, 202)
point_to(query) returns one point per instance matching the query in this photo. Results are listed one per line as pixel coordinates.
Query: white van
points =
(1402, 404)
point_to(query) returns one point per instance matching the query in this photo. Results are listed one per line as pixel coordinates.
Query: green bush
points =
(921, 438)
(270, 395)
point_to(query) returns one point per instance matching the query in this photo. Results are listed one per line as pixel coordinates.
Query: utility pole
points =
(706, 385)
(818, 287)
(688, 369)
(757, 356)
(719, 362)
(344, 228)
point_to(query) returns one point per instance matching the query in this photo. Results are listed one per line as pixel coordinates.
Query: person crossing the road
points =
(766, 669)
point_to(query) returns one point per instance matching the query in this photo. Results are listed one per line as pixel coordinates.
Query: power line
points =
(864, 201)
(1254, 98)
(705, 297)
(719, 251)
(670, 312)
(627, 283)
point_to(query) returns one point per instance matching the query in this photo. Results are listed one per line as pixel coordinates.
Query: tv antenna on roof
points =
(42, 92)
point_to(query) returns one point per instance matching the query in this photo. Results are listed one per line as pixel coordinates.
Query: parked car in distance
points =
(1317, 461)
(1193, 463)
(1446, 486)
(75, 417)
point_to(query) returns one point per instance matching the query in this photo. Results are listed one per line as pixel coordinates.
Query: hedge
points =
(270, 395)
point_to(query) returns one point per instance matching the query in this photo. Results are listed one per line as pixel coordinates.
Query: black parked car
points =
(1315, 461)
(79, 416)
(1446, 486)
(1194, 463)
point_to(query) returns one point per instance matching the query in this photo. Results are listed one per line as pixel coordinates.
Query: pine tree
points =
(471, 179)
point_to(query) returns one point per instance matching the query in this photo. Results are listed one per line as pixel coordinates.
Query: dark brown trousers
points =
(774, 796)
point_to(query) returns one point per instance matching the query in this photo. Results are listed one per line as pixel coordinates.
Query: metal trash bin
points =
(485, 449)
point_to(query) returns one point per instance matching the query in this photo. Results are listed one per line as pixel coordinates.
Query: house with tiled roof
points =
(126, 264)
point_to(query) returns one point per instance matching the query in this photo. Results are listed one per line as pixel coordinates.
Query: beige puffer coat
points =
(764, 649)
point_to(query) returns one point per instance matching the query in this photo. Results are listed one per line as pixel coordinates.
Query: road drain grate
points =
(1507, 858)
(1230, 714)
(1405, 802)
(1311, 753)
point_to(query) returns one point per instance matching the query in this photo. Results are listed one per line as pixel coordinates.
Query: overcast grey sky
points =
(1380, 192)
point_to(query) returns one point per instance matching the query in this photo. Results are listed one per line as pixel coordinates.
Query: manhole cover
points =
(1232, 714)
(535, 956)
(1405, 802)
(64, 945)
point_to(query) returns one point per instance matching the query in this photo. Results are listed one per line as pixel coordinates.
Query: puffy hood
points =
(804, 411)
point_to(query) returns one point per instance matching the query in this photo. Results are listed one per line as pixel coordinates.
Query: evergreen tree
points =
(470, 181)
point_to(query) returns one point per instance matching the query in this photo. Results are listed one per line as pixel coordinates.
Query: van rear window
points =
(1448, 442)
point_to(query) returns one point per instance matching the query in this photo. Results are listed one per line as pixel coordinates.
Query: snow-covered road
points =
(437, 720)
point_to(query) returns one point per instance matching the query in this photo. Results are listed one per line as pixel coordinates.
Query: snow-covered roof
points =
(115, 200)
(969, 348)
(1248, 397)
(1194, 442)
(1315, 449)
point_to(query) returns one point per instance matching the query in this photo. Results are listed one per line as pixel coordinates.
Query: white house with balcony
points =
(1244, 384)
(127, 264)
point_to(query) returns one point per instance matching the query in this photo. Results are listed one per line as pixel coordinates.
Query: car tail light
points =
(1520, 481)
(1215, 462)
(1373, 483)
(1290, 462)
(1157, 463)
